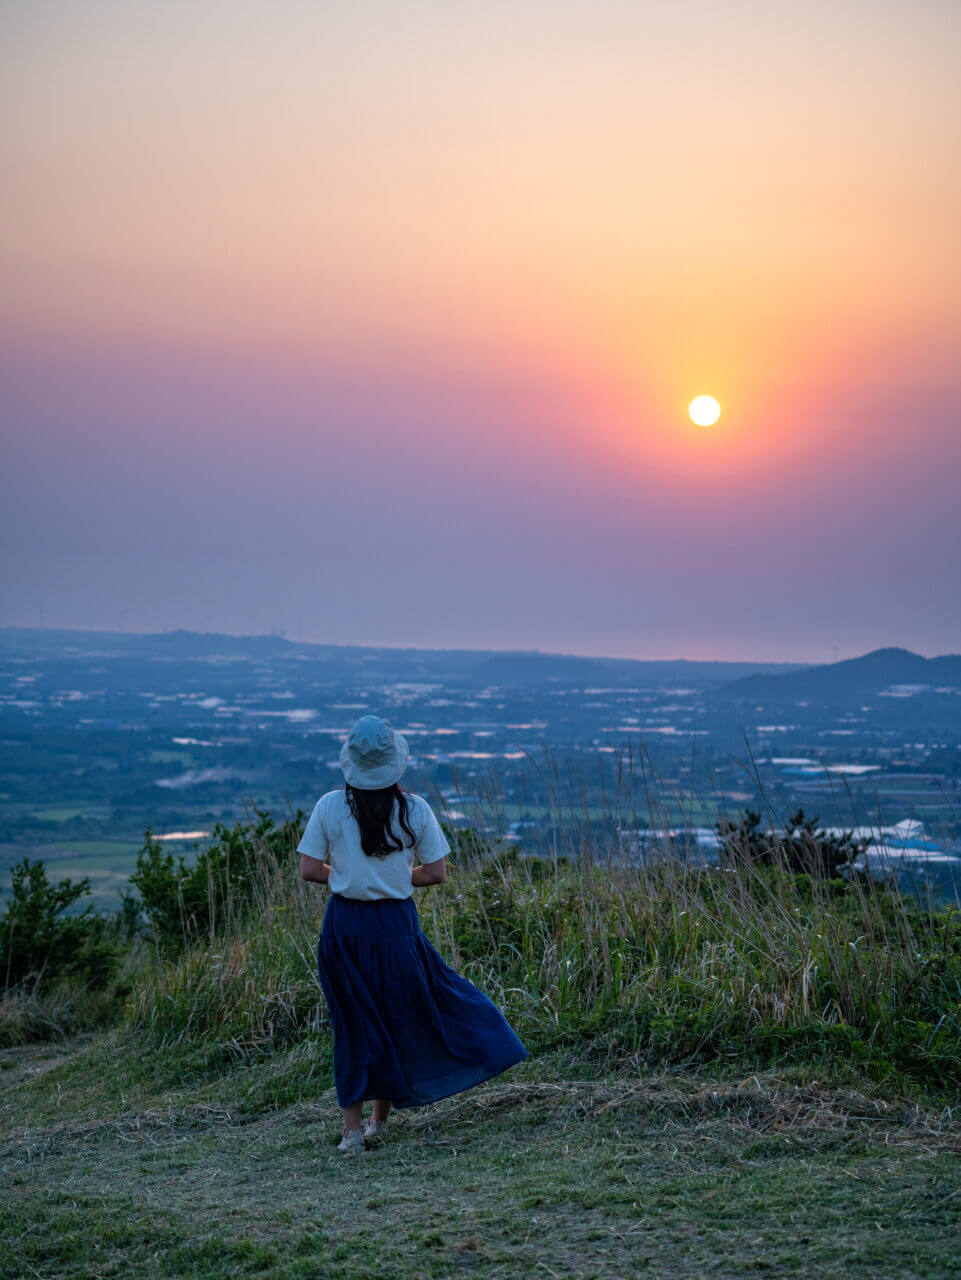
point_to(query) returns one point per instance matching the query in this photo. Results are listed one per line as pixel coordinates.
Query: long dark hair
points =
(373, 811)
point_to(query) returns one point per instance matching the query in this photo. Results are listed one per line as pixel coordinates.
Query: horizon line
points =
(421, 648)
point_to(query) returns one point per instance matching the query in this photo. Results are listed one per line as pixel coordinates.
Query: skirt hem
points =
(413, 1103)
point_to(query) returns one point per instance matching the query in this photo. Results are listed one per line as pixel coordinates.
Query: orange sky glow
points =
(587, 213)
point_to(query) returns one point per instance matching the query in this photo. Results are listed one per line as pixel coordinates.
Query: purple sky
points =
(379, 326)
(408, 514)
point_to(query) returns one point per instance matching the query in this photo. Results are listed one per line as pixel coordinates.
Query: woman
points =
(407, 1029)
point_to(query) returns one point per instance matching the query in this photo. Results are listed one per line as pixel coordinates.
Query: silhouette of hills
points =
(473, 666)
(854, 677)
(871, 673)
(535, 668)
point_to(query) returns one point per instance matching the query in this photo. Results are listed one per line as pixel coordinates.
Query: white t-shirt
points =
(332, 835)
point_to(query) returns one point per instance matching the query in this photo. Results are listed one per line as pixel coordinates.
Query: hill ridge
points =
(872, 672)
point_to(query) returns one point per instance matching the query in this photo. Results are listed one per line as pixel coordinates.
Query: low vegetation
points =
(62, 963)
(741, 1069)
(748, 964)
(187, 901)
(104, 1172)
(751, 963)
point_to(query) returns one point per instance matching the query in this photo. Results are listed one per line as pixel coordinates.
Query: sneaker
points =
(376, 1130)
(352, 1143)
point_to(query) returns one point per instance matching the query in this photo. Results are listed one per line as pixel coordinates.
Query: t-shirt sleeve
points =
(314, 842)
(432, 843)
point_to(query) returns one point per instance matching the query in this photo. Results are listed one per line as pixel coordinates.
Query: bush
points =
(42, 942)
(252, 987)
(185, 901)
(800, 846)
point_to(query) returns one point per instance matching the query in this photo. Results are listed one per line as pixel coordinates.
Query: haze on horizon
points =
(379, 325)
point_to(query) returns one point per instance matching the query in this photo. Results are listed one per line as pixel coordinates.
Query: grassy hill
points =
(114, 1167)
(740, 1071)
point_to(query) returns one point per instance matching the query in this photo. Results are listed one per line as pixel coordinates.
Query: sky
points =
(378, 323)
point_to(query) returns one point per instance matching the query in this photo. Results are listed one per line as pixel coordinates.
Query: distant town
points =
(104, 735)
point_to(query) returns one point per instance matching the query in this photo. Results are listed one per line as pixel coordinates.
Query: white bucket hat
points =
(373, 756)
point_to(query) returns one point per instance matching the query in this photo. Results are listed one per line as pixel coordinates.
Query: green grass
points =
(75, 853)
(679, 810)
(742, 968)
(190, 1172)
(108, 864)
(67, 813)
(735, 1073)
(158, 756)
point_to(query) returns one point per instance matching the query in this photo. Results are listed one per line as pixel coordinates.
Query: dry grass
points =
(668, 1177)
(668, 963)
(759, 1105)
(756, 1105)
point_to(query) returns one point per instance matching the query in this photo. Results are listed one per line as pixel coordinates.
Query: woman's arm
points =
(429, 873)
(313, 869)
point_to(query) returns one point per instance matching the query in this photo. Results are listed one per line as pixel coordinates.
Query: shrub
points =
(41, 941)
(185, 901)
(800, 846)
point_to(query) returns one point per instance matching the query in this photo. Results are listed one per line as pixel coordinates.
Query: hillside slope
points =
(106, 1171)
(872, 673)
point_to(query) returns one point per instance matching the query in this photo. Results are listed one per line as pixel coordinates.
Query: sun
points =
(704, 410)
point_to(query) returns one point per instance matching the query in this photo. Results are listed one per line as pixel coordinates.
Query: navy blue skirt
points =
(406, 1026)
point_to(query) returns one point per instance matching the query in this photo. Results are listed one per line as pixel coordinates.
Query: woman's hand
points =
(314, 870)
(429, 873)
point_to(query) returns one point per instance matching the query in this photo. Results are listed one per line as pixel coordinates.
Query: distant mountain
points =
(481, 667)
(194, 644)
(872, 673)
(173, 644)
(532, 669)
(46, 641)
